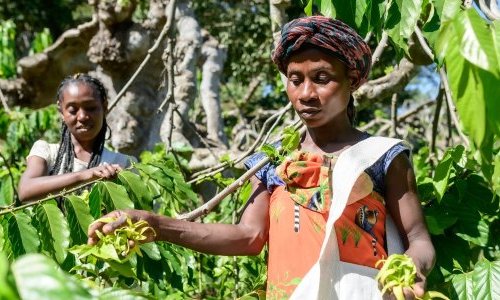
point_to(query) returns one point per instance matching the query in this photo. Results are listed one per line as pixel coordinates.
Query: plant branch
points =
(222, 166)
(65, 192)
(380, 48)
(4, 102)
(394, 114)
(435, 121)
(423, 43)
(209, 205)
(453, 109)
(166, 28)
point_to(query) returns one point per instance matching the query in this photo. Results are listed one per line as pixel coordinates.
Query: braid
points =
(351, 110)
(66, 148)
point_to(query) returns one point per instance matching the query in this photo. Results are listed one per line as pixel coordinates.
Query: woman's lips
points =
(309, 112)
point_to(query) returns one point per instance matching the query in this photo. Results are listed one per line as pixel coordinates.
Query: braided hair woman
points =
(333, 207)
(80, 156)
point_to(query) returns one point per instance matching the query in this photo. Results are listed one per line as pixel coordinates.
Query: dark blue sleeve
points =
(379, 169)
(266, 174)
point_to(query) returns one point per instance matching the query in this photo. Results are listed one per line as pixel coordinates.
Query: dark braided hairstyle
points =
(66, 154)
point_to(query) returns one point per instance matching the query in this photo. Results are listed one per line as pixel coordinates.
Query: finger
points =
(111, 227)
(93, 227)
(419, 289)
(131, 244)
(117, 167)
(408, 293)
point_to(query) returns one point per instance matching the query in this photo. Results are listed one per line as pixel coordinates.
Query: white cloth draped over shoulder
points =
(329, 278)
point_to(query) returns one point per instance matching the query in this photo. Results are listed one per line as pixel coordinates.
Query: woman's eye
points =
(295, 80)
(322, 78)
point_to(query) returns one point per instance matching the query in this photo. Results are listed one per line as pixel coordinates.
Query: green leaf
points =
(482, 282)
(291, 140)
(401, 21)
(79, 219)
(327, 9)
(486, 279)
(54, 230)
(447, 9)
(95, 202)
(38, 277)
(442, 175)
(308, 8)
(137, 189)
(462, 287)
(438, 219)
(151, 250)
(477, 43)
(6, 191)
(8, 290)
(114, 196)
(476, 231)
(21, 234)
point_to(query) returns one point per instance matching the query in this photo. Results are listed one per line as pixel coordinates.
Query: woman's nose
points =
(308, 92)
(83, 115)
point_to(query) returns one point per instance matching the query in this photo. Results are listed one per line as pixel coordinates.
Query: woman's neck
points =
(330, 140)
(83, 150)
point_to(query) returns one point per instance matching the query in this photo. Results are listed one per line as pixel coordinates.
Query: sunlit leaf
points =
(54, 230)
(38, 277)
(114, 196)
(21, 234)
(137, 189)
(79, 218)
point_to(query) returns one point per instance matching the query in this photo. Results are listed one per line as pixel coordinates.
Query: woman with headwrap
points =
(326, 210)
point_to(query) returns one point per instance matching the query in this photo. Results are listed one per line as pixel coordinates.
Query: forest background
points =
(194, 92)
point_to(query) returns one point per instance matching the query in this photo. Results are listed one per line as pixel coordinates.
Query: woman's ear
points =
(351, 74)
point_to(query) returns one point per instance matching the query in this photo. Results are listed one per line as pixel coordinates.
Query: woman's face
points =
(318, 87)
(82, 111)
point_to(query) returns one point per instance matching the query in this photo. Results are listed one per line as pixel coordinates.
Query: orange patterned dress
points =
(298, 215)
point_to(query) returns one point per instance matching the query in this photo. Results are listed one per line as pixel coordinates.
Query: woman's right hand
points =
(105, 171)
(120, 217)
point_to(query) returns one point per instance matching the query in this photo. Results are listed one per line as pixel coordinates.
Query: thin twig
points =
(65, 192)
(394, 114)
(451, 105)
(203, 141)
(414, 111)
(435, 122)
(423, 43)
(170, 59)
(380, 47)
(164, 31)
(4, 102)
(218, 168)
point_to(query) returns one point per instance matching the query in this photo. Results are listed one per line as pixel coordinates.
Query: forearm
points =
(219, 239)
(31, 189)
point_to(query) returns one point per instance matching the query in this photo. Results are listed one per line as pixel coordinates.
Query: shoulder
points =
(267, 174)
(378, 170)
(44, 150)
(113, 157)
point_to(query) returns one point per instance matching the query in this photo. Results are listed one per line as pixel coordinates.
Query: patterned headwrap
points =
(333, 35)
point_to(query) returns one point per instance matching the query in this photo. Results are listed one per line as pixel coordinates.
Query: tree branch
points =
(166, 28)
(380, 47)
(4, 102)
(451, 105)
(385, 86)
